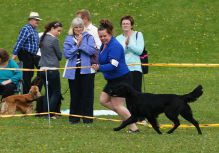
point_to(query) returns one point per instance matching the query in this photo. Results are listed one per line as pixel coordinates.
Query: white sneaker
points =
(53, 117)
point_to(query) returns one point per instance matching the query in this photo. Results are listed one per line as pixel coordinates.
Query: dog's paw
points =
(116, 129)
(158, 132)
(169, 132)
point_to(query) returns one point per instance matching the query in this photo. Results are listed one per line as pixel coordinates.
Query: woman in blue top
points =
(112, 65)
(133, 44)
(79, 46)
(8, 78)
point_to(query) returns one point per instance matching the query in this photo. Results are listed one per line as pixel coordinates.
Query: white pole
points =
(47, 96)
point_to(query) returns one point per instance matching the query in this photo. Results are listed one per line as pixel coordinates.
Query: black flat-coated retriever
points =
(149, 106)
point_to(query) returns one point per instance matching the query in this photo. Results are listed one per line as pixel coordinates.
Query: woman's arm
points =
(88, 45)
(57, 49)
(17, 73)
(70, 47)
(113, 58)
(23, 35)
(136, 44)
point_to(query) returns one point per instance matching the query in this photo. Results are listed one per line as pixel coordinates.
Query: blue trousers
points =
(54, 90)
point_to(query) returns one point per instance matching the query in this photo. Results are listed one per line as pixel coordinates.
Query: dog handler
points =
(112, 65)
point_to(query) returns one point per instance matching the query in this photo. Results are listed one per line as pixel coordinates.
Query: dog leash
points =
(62, 94)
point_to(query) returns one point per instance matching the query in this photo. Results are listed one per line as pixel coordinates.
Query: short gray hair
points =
(76, 22)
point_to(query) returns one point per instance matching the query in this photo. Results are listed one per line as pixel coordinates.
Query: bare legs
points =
(117, 105)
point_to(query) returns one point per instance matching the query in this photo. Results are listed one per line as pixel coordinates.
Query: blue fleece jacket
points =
(87, 48)
(112, 52)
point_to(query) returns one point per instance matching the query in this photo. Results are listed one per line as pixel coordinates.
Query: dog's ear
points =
(37, 81)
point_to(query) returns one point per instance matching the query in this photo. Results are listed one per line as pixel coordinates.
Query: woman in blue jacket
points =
(79, 46)
(113, 66)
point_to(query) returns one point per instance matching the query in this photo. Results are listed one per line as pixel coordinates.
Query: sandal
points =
(131, 131)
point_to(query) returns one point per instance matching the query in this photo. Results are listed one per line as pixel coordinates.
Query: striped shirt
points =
(28, 40)
(78, 61)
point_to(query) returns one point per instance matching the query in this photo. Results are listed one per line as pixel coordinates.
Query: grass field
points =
(175, 31)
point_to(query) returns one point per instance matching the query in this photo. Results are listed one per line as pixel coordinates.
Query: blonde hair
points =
(76, 22)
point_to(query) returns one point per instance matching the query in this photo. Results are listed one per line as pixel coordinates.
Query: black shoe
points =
(74, 122)
(87, 121)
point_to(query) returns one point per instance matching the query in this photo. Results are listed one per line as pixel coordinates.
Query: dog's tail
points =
(194, 95)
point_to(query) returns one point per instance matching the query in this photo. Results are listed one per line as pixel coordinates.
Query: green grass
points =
(175, 31)
(34, 135)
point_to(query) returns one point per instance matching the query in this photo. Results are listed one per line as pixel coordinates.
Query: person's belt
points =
(28, 52)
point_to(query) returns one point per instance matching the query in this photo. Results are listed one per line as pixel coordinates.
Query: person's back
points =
(50, 57)
(50, 52)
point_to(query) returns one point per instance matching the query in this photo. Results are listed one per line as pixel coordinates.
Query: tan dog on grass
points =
(22, 103)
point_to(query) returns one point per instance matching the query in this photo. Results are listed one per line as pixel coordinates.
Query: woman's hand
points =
(79, 39)
(6, 82)
(95, 67)
(14, 57)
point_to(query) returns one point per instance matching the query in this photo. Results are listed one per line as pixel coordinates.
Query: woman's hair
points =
(106, 25)
(76, 22)
(48, 27)
(127, 17)
(4, 56)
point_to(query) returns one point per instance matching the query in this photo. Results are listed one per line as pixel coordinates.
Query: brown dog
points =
(22, 103)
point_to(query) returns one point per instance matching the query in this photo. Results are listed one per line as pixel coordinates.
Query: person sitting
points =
(9, 79)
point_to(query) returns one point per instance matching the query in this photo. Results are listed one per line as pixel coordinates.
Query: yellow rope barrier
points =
(107, 119)
(115, 120)
(21, 115)
(133, 64)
